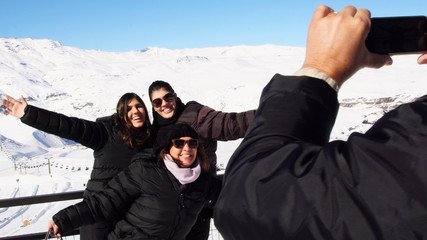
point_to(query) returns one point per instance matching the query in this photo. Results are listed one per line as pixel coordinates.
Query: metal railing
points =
(38, 236)
(12, 202)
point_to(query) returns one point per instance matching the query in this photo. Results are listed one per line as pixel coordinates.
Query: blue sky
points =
(123, 25)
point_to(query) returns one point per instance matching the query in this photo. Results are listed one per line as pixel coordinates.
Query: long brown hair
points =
(201, 156)
(135, 137)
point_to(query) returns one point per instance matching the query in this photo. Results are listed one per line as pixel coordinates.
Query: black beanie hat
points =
(173, 131)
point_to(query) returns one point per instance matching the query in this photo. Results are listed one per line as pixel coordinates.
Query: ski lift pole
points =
(48, 165)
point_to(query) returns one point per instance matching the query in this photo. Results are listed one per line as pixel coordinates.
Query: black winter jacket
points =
(151, 198)
(285, 181)
(111, 153)
(211, 125)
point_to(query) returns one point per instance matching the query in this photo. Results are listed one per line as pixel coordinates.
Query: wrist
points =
(316, 73)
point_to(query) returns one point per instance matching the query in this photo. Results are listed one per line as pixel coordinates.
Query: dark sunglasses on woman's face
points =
(158, 101)
(179, 143)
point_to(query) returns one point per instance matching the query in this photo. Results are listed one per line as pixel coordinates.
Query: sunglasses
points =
(169, 97)
(179, 143)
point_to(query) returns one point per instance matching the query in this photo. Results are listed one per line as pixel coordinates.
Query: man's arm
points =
(263, 180)
(304, 110)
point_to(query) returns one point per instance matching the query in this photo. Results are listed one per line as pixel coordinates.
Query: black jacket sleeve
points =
(285, 181)
(290, 108)
(110, 203)
(88, 133)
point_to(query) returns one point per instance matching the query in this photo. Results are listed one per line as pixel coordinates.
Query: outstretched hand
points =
(336, 43)
(14, 107)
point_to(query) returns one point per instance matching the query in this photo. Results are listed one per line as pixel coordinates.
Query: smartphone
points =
(398, 35)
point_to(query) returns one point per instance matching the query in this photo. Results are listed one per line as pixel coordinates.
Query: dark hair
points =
(135, 137)
(157, 85)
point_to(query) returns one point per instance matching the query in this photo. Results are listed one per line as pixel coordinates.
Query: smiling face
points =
(166, 108)
(136, 113)
(186, 155)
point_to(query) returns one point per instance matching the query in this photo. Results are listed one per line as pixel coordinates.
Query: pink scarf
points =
(183, 175)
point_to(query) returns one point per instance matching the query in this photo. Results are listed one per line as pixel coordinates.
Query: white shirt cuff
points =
(315, 73)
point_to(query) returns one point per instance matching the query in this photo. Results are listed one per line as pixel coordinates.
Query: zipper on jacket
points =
(181, 201)
(181, 206)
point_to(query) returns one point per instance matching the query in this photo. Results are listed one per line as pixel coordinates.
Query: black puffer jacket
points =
(286, 181)
(151, 197)
(111, 153)
(211, 125)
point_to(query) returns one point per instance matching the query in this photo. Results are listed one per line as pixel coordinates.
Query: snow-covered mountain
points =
(88, 83)
(84, 81)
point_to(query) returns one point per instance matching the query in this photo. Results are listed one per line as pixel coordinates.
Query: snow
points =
(88, 83)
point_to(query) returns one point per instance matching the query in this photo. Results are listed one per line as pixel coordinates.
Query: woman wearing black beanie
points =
(158, 197)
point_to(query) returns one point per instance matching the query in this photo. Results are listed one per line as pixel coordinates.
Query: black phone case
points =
(393, 35)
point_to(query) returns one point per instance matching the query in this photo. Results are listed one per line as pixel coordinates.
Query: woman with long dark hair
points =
(115, 140)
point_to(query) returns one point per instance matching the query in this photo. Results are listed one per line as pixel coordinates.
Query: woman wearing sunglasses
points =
(114, 139)
(211, 125)
(158, 196)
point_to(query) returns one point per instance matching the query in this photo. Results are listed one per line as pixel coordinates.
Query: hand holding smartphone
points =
(398, 35)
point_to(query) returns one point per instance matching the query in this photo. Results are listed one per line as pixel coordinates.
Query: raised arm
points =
(223, 126)
(278, 183)
(88, 133)
(336, 43)
(304, 107)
